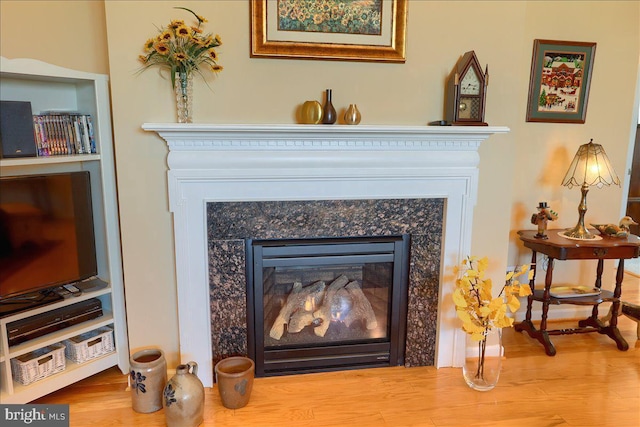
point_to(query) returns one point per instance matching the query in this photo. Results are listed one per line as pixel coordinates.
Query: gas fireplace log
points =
(340, 305)
(306, 316)
(361, 308)
(324, 313)
(299, 320)
(296, 300)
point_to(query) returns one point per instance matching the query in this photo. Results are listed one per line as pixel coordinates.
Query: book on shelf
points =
(63, 134)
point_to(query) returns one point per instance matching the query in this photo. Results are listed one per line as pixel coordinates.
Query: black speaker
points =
(16, 130)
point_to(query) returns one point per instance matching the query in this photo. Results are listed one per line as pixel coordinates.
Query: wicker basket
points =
(89, 345)
(38, 364)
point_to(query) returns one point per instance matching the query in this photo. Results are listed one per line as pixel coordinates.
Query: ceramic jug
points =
(184, 397)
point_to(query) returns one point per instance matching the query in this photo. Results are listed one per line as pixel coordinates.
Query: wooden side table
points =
(557, 247)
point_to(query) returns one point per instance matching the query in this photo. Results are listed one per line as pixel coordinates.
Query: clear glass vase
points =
(483, 360)
(183, 88)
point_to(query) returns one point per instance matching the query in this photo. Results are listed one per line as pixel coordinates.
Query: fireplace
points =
(327, 304)
(233, 228)
(282, 163)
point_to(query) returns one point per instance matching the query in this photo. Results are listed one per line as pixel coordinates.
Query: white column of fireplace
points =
(220, 163)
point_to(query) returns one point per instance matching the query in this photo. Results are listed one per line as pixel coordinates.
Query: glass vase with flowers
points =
(483, 317)
(183, 50)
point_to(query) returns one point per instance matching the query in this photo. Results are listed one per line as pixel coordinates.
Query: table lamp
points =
(590, 166)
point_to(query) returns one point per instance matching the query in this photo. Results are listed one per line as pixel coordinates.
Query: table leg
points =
(612, 330)
(594, 314)
(546, 342)
(546, 296)
(532, 285)
(527, 325)
(593, 321)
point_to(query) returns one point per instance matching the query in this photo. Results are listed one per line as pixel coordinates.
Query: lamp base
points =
(580, 233)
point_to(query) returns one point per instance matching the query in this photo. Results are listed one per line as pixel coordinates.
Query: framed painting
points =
(559, 82)
(348, 30)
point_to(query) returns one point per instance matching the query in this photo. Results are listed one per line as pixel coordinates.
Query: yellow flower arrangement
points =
(480, 312)
(475, 304)
(182, 49)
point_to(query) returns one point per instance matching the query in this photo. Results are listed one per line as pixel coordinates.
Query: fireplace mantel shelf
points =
(275, 162)
(190, 136)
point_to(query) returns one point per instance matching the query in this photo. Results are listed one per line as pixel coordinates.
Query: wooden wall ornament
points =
(466, 92)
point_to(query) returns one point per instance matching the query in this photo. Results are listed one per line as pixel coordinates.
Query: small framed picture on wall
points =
(559, 82)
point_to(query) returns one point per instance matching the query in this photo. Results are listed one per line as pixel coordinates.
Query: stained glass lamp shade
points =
(590, 167)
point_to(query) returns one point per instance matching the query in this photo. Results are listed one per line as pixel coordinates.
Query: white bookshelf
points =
(49, 87)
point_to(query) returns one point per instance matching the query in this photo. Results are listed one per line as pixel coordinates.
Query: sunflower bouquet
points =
(182, 49)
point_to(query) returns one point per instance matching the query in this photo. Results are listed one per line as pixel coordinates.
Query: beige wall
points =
(70, 34)
(517, 170)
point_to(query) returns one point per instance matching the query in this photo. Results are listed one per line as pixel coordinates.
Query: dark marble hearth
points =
(230, 223)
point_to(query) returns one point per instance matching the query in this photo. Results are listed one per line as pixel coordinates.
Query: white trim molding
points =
(217, 163)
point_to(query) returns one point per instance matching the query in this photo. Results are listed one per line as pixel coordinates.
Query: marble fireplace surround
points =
(233, 163)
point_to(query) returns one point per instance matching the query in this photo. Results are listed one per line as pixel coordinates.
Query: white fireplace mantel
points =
(210, 163)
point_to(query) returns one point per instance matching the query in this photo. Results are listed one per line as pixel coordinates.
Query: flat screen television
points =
(46, 237)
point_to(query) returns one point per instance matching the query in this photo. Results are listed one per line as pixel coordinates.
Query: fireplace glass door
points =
(327, 304)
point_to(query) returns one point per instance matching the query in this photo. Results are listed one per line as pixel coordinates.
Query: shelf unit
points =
(49, 87)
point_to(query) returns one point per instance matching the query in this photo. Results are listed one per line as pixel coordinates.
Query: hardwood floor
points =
(588, 383)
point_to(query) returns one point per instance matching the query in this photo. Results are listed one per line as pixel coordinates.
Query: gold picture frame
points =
(314, 40)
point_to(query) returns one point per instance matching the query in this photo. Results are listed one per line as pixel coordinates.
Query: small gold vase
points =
(352, 115)
(311, 113)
